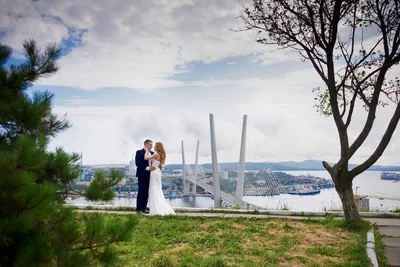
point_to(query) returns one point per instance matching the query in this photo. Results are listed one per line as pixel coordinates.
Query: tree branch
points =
(342, 131)
(381, 147)
(351, 110)
(371, 115)
(382, 26)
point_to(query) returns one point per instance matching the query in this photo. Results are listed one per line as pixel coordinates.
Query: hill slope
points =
(306, 165)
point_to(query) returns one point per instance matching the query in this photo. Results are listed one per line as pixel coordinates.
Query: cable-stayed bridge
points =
(219, 182)
(229, 186)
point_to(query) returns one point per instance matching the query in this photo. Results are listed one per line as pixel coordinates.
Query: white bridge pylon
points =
(193, 177)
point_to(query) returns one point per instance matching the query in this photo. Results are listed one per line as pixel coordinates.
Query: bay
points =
(367, 183)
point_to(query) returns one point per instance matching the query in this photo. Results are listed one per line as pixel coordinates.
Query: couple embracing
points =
(148, 171)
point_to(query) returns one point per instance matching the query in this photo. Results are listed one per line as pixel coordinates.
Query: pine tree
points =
(36, 229)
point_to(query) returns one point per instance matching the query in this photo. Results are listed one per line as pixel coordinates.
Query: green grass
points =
(397, 210)
(240, 241)
(379, 248)
(283, 206)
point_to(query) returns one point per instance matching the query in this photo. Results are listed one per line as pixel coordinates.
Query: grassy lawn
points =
(222, 241)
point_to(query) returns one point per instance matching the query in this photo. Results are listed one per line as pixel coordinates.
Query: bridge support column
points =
(196, 164)
(217, 189)
(184, 172)
(240, 180)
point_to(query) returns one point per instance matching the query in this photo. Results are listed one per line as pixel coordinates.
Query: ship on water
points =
(304, 190)
(393, 176)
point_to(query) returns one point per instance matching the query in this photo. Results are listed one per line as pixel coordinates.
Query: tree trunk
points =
(346, 195)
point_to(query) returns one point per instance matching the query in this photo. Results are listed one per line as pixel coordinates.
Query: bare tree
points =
(331, 34)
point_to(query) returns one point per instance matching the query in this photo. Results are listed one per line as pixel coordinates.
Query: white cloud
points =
(79, 101)
(142, 44)
(20, 20)
(138, 45)
(282, 125)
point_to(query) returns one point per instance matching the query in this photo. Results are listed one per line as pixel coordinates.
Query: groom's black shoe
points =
(145, 211)
(138, 212)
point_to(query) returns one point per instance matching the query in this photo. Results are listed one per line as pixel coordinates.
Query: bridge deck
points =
(224, 196)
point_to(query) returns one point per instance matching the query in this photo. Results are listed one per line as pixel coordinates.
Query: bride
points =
(157, 202)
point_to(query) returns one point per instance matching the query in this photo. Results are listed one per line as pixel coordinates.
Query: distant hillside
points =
(306, 165)
(234, 165)
(252, 166)
(317, 165)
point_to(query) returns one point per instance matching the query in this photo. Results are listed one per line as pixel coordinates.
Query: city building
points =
(132, 168)
(223, 175)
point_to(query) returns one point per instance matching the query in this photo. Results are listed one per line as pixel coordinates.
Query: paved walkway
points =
(390, 231)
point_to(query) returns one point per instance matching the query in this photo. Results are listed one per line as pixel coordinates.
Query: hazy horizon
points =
(256, 162)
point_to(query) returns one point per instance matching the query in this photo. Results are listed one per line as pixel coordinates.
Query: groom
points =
(143, 174)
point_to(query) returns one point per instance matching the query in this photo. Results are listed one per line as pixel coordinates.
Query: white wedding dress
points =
(158, 204)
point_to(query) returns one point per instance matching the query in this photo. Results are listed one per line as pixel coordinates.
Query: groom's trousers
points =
(143, 191)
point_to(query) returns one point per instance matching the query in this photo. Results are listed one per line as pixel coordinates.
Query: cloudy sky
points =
(141, 69)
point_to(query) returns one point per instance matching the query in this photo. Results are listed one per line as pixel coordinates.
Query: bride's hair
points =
(159, 148)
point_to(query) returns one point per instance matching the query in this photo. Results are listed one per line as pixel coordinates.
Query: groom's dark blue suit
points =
(143, 179)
